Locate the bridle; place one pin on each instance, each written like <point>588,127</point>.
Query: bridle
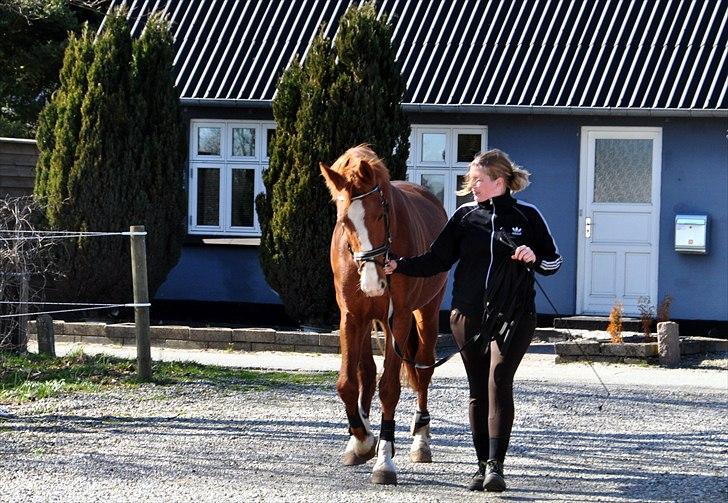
<point>362,257</point>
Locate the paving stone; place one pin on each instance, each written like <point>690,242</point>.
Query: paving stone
<point>179,344</point>
<point>579,347</point>
<point>177,332</point>
<point>211,334</point>
<point>257,335</point>
<point>84,328</point>
<point>121,330</point>
<point>256,346</point>
<point>297,338</point>
<point>329,340</point>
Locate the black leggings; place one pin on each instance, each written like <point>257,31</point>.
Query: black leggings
<point>490,377</point>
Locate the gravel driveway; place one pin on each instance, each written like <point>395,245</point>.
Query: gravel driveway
<point>661,436</point>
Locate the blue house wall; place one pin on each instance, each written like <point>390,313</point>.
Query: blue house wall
<point>694,180</point>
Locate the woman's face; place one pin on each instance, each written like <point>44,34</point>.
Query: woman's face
<point>483,187</point>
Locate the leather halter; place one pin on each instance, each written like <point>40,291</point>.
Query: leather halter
<point>361,257</point>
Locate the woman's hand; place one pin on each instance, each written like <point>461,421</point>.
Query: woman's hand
<point>390,266</point>
<point>524,254</point>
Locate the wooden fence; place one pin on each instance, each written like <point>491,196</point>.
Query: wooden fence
<point>17,166</point>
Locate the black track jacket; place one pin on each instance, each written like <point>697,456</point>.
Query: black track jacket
<point>468,237</point>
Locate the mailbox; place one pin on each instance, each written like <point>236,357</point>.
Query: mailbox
<point>691,234</point>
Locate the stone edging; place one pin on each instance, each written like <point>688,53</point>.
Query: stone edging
<point>631,352</point>
<point>184,337</point>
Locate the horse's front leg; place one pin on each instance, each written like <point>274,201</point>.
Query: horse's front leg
<point>353,334</point>
<point>426,322</point>
<point>384,471</point>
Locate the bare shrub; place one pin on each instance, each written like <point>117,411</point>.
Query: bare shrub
<point>25,264</point>
<point>615,322</point>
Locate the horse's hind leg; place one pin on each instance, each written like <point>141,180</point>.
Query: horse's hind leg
<point>355,365</point>
<point>427,323</point>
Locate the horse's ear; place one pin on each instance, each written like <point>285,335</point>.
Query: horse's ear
<point>334,181</point>
<point>366,172</point>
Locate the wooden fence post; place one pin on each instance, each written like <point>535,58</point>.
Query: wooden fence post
<point>46,335</point>
<point>24,295</point>
<point>141,296</point>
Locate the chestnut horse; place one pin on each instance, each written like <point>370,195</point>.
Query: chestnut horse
<point>376,219</point>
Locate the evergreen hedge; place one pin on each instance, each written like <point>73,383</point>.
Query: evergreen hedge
<point>342,95</point>
<point>112,150</point>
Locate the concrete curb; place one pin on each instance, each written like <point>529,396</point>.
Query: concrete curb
<point>185,337</point>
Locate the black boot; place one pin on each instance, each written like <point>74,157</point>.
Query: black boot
<point>476,484</point>
<point>494,480</point>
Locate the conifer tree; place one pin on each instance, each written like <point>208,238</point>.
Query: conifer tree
<point>116,159</point>
<point>339,97</point>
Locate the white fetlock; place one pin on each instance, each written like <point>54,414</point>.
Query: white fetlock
<point>358,452</point>
<point>420,449</point>
<point>384,471</point>
<point>360,448</point>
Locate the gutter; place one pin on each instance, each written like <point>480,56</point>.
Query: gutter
<point>221,102</point>
<point>493,109</point>
<point>544,110</point>
<point>26,141</point>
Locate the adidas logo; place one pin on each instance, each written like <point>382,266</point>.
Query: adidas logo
<point>516,231</point>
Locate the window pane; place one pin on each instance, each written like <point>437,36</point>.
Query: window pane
<point>460,200</point>
<point>468,146</point>
<point>243,142</point>
<point>208,140</point>
<point>242,198</point>
<point>623,171</point>
<point>435,184</point>
<point>270,137</point>
<point>208,196</point>
<point>433,147</point>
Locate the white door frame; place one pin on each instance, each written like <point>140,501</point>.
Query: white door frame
<point>585,164</point>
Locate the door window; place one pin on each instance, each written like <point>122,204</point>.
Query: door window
<point>622,170</point>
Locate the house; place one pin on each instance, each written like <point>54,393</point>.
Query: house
<point>618,108</point>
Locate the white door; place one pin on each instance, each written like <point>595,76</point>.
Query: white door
<point>619,210</point>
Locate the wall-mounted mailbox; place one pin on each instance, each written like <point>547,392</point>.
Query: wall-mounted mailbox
<point>691,234</point>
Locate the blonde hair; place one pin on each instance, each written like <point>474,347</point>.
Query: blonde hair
<point>496,164</point>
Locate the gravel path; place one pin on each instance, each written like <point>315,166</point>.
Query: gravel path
<point>662,436</point>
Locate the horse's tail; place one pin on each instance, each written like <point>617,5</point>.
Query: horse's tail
<point>408,370</point>
<point>413,343</point>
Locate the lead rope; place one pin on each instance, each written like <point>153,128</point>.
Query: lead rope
<point>575,341</point>
<point>505,239</point>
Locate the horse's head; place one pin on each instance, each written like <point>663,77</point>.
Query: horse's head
<point>359,184</point>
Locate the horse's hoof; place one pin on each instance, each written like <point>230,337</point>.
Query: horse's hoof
<point>422,455</point>
<point>384,478</point>
<point>351,458</point>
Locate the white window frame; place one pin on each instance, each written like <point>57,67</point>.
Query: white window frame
<point>226,163</point>
<point>195,138</point>
<point>194,176</point>
<point>244,125</point>
<point>450,167</point>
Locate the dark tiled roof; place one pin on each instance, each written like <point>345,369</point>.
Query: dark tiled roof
<point>560,56</point>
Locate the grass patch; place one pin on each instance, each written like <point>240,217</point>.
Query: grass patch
<point>30,377</point>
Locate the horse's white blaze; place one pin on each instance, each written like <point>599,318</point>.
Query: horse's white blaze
<point>358,447</point>
<point>369,278</point>
<point>384,457</point>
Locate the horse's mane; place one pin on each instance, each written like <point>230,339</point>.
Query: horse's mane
<point>350,166</point>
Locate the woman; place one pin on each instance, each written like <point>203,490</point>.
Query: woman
<point>494,239</point>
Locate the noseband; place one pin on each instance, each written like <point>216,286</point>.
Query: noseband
<point>363,257</point>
